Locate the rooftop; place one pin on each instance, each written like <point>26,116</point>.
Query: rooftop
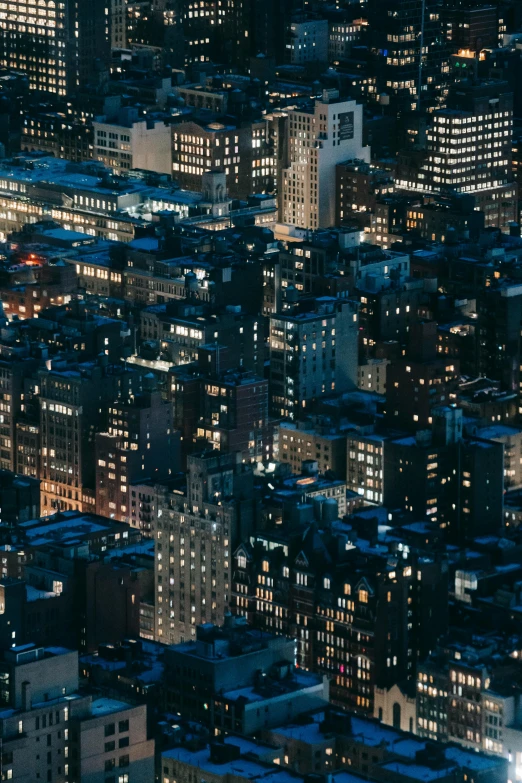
<point>100,707</point>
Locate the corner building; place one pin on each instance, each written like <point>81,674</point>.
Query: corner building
<point>319,138</point>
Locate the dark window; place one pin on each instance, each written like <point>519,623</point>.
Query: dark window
<point>124,742</point>
<point>110,729</point>
<point>110,746</point>
<point>109,764</point>
<point>124,761</point>
<point>123,725</point>
<point>396,715</point>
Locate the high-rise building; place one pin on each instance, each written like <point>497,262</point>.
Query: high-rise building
<point>319,138</point>
<point>313,353</point>
<point>363,623</point>
<point>140,444</point>
<point>469,151</point>
<point>73,405</point>
<point>118,24</point>
<point>13,370</point>
<point>244,153</point>
<point>454,482</point>
<point>195,535</point>
<point>364,465</point>
<point>472,26</point>
<point>398,29</point>
<point>308,41</point>
<point>234,415</point>
<point>418,383</point>
<point>58,46</point>
<point>499,340</point>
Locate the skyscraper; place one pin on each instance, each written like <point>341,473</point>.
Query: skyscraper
<point>469,150</point>
<point>58,46</point>
<point>195,536</point>
<point>319,137</point>
<point>313,353</point>
<point>400,29</point>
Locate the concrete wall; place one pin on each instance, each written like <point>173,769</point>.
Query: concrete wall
<point>385,699</point>
<point>92,754</point>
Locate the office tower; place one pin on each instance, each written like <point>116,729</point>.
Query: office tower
<point>469,151</point>
<point>195,536</point>
<point>313,353</point>
<point>398,30</point>
<point>73,406</point>
<point>58,46</point>
<point>140,443</point>
<point>318,139</point>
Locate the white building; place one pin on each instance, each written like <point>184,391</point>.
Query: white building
<point>319,139</point>
<point>134,143</point>
<point>118,23</point>
<point>372,376</point>
<point>397,707</point>
<point>308,41</point>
